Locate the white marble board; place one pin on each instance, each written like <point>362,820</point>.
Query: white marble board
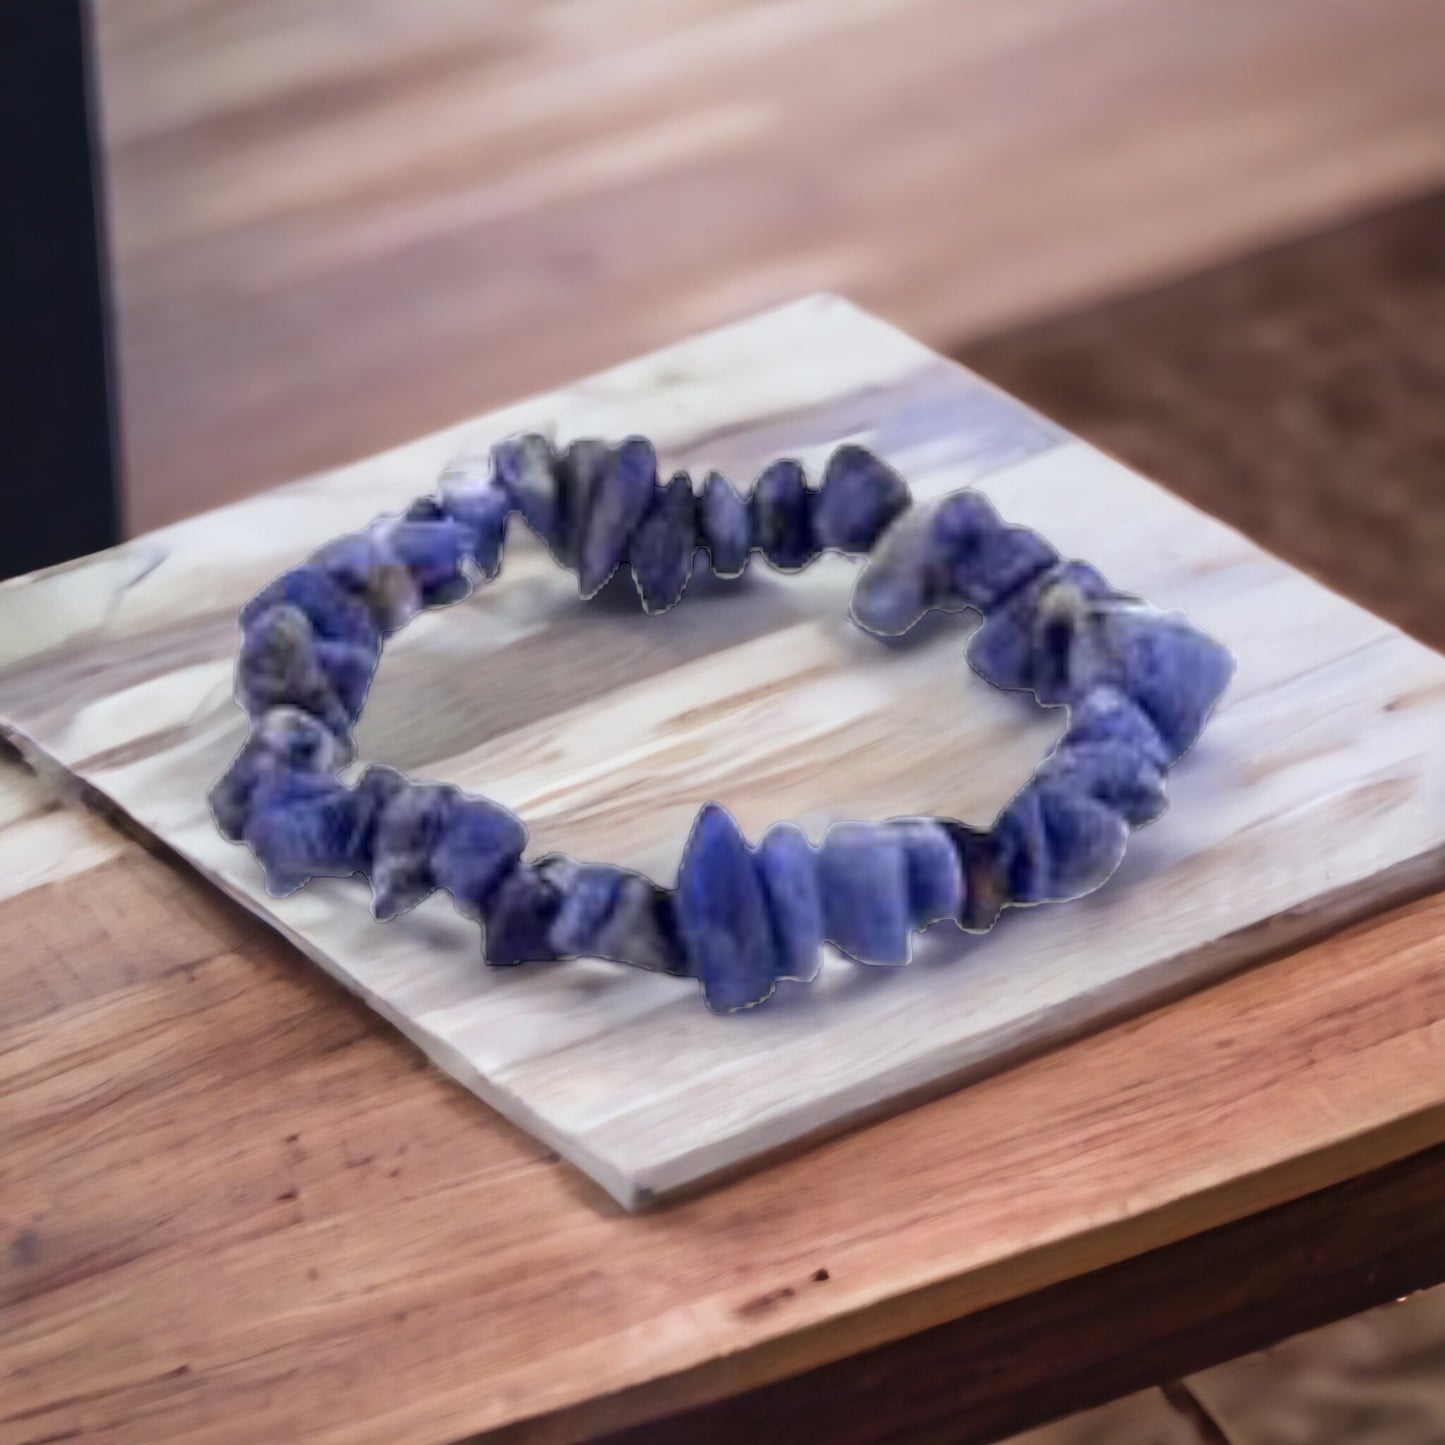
<point>1318,792</point>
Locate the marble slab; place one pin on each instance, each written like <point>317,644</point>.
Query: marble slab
<point>1317,794</point>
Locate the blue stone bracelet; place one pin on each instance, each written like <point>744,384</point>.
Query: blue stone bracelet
<point>1138,685</point>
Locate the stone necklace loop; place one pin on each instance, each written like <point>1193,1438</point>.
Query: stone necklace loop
<point>1138,685</point>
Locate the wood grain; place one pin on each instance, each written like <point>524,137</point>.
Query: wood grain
<point>236,1208</point>
<point>1294,394</point>
<point>336,227</point>
<point>1316,796</point>
<point>1184,1308</point>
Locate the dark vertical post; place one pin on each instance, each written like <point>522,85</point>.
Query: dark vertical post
<point>58,467</point>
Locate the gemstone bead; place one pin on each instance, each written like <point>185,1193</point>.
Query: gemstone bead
<point>934,873</point>
<point>983,869</point>
<point>621,496</point>
<point>409,828</point>
<point>724,526</point>
<point>788,865</point>
<point>1172,671</point>
<point>781,506</point>
<point>662,547</point>
<point>480,506</point>
<point>1023,859</point>
<point>863,878</point>
<point>722,914</point>
<point>1104,714</point>
<point>333,611</point>
<point>641,928</point>
<point>519,919</point>
<point>433,551</point>
<point>478,843</point>
<point>367,566</point>
<point>1112,773</point>
<point>282,662</point>
<point>982,560</point>
<point>859,497</point>
<point>1026,642</point>
<point>587,899</point>
<point>307,825</point>
<point>582,471</point>
<point>525,467</point>
<point>893,590</point>
<point>286,739</point>
<point>1086,839</point>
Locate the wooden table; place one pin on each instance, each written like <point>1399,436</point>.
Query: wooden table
<point>237,1207</point>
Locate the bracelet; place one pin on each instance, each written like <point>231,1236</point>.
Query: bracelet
<point>1138,685</point>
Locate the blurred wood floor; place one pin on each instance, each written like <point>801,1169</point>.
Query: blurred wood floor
<point>1296,394</point>
<point>340,223</point>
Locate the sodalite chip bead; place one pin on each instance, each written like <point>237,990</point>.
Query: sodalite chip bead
<point>1138,684</point>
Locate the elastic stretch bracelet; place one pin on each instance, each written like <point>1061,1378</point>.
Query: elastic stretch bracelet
<point>1138,685</point>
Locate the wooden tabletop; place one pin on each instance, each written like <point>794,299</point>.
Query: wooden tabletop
<point>239,1207</point>
<point>236,1206</point>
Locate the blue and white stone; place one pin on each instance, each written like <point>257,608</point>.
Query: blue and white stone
<point>283,662</point>
<point>1028,641</point>
<point>781,507</point>
<point>662,548</point>
<point>1113,773</point>
<point>859,497</point>
<point>934,870</point>
<point>366,564</point>
<point>478,844</point>
<point>519,919</point>
<point>480,505</point>
<point>588,897</point>
<point>722,914</point>
<point>583,470</point>
<point>307,825</point>
<point>286,739</point>
<point>863,878</point>
<point>408,830</point>
<point>788,865</point>
<point>619,499</point>
<point>1086,839</point>
<point>434,549</point>
<point>1104,714</point>
<point>725,526</point>
<point>525,467</point>
<point>1174,672</point>
<point>334,611</point>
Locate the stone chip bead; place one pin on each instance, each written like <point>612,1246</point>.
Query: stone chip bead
<point>722,914</point>
<point>1139,686</point>
<point>283,661</point>
<point>335,611</point>
<point>620,495</point>
<point>788,865</point>
<point>948,554</point>
<point>286,740</point>
<point>518,921</point>
<point>859,498</point>
<point>308,825</point>
<point>662,548</point>
<point>525,468</point>
<point>411,824</point>
<point>478,844</point>
<point>782,509</point>
<point>481,507</point>
<point>725,526</point>
<point>863,879</point>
